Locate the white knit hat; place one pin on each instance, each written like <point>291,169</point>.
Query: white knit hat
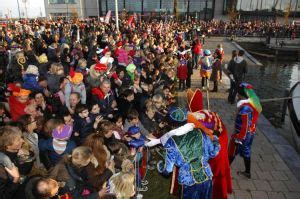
<point>32,69</point>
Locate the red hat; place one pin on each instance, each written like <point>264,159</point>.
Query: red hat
<point>106,50</point>
<point>119,44</point>
<point>100,67</point>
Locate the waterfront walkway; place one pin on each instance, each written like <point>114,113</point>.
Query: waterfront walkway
<point>271,177</point>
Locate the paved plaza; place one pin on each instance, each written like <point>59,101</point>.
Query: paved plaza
<point>271,177</point>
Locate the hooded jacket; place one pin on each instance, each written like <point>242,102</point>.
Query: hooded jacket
<point>240,68</point>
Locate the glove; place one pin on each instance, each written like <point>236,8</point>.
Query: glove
<point>238,141</point>
<point>115,76</point>
<point>152,142</point>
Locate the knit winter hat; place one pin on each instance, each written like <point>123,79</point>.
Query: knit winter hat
<point>43,58</point>
<point>17,91</point>
<point>131,68</point>
<point>32,69</point>
<point>76,77</point>
<point>22,92</point>
<point>62,132</point>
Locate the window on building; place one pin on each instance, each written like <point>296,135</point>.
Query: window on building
<point>151,6</point>
<point>182,6</point>
<point>133,6</point>
<point>111,5</point>
<point>168,5</point>
<point>62,1</point>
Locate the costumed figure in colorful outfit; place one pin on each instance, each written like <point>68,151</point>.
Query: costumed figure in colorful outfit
<point>210,123</point>
<point>206,67</point>
<point>249,108</point>
<point>190,152</point>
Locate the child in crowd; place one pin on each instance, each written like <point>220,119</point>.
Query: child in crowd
<point>182,73</point>
<point>119,127</point>
<point>83,125</point>
<point>59,145</point>
<point>75,85</point>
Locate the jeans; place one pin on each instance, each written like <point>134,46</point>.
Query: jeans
<point>196,60</point>
<point>182,84</point>
<point>232,91</point>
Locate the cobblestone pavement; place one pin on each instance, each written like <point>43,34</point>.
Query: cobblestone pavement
<point>271,177</point>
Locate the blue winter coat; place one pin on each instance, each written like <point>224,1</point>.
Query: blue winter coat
<point>31,83</point>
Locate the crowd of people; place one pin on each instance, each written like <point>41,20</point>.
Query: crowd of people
<point>79,101</point>
<point>254,28</point>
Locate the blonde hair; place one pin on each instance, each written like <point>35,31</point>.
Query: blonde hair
<point>148,103</point>
<point>55,67</point>
<point>81,156</point>
<point>157,99</point>
<point>151,108</point>
<point>7,136</point>
<point>123,185</point>
<point>127,166</point>
<point>81,61</point>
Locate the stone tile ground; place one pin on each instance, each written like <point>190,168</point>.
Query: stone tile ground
<point>271,177</point>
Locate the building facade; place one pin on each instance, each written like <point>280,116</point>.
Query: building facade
<point>71,8</point>
<point>200,9</point>
<point>264,8</point>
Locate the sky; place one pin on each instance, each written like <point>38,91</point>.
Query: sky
<point>34,8</point>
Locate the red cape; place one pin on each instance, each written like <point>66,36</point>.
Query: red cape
<point>220,167</point>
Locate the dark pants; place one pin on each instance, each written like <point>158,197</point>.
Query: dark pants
<point>182,82</point>
<point>243,150</point>
<point>215,85</point>
<point>188,81</point>
<point>232,91</point>
<point>204,81</point>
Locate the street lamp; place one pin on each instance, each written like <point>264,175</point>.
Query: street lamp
<point>19,9</point>
<point>67,2</point>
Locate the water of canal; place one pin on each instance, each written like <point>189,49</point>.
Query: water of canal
<point>271,80</point>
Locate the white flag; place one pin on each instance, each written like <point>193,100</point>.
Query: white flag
<point>107,17</point>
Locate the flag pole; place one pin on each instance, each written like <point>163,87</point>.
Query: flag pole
<point>117,15</point>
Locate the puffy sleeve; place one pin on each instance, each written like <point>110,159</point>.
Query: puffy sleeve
<point>212,146</point>
<point>170,157</point>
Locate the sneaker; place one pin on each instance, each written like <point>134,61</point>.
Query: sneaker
<point>142,189</point>
<point>244,174</point>
<point>144,182</point>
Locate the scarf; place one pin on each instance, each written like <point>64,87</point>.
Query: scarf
<point>59,146</point>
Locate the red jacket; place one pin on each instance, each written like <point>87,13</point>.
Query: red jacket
<point>16,108</point>
<point>182,72</point>
<point>198,49</point>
